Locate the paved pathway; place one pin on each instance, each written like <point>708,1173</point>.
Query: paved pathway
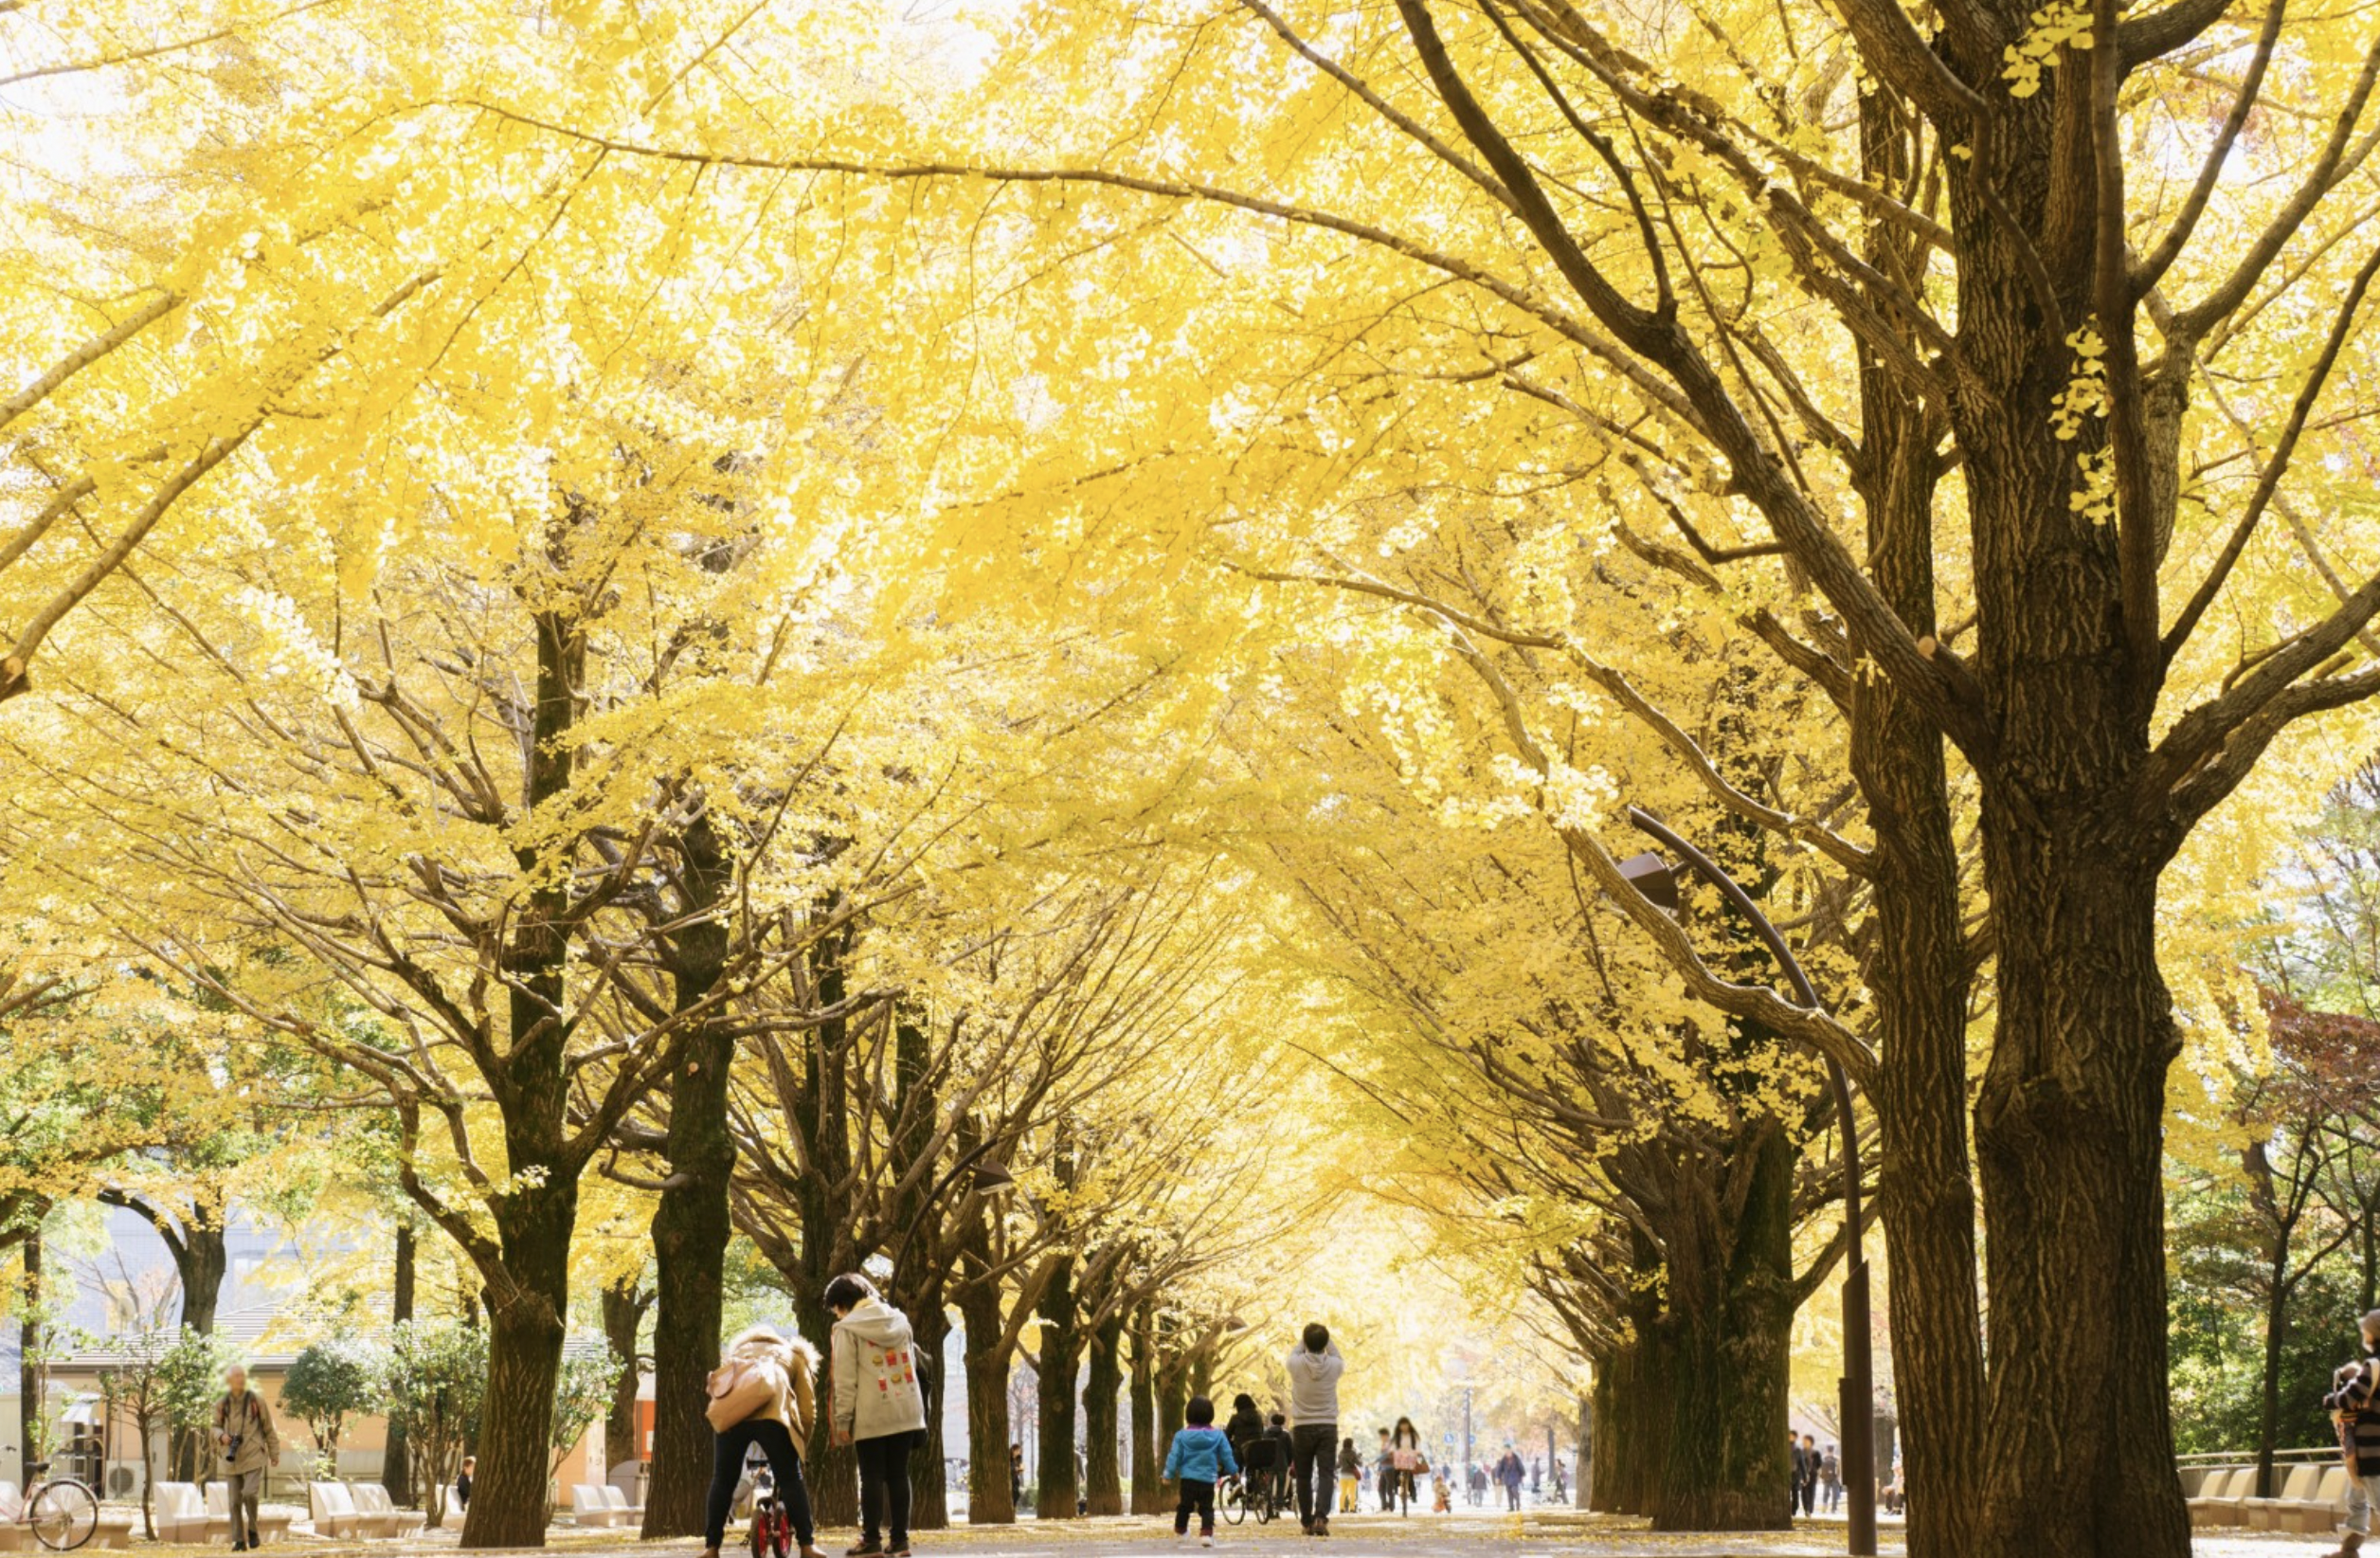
<point>1464,1535</point>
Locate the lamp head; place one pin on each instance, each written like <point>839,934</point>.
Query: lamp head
<point>1651,875</point>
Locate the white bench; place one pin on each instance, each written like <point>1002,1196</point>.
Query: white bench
<point>373,1504</point>
<point>182,1514</point>
<point>623,1511</point>
<point>2292,1485</point>
<point>589,1507</point>
<point>333,1511</point>
<point>2224,1494</point>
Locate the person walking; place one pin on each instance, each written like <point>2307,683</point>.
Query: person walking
<point>878,1408</point>
<point>1830,1480</point>
<point>1015,1475</point>
<point>462,1483</point>
<point>1561,1481</point>
<point>2353,1407</point>
<point>250,1444</point>
<point>1350,1474</point>
<point>1199,1457</point>
<point>1479,1484</point>
<point>1808,1474</point>
<point>1313,1367</point>
<point>1509,1471</point>
<point>772,1381</point>
<point>1384,1473</point>
<point>1407,1462</point>
<point>1796,1468</point>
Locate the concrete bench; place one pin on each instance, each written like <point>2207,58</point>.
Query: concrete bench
<point>182,1514</point>
<point>333,1511</point>
<point>589,1507</point>
<point>2226,1492</point>
<point>624,1513</point>
<point>115,1528</point>
<point>2292,1485</point>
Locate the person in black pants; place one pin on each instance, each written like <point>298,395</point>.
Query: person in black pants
<point>778,1373</point>
<point>878,1408</point>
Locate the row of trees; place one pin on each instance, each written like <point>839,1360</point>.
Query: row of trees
<point>754,607</point>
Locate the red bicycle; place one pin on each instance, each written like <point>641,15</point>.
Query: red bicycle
<point>772,1528</point>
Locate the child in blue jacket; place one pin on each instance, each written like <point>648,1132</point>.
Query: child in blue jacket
<point>1201,1456</point>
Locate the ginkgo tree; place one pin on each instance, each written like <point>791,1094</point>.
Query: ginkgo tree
<point>1903,333</point>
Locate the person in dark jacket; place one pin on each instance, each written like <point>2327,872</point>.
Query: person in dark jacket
<point>1276,1433</point>
<point>2352,1405</point>
<point>1796,1468</point>
<point>1245,1426</point>
<point>462,1483</point>
<point>1199,1457</point>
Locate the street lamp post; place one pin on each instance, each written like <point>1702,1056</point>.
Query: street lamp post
<point>1651,875</point>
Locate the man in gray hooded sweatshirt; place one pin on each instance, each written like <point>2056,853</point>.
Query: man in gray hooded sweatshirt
<point>1314,1367</point>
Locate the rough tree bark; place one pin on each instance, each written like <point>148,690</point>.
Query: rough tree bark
<point>1056,1365</point>
<point>929,1508</point>
<point>1103,1388</point>
<point>692,1224</point>
<point>396,1458</point>
<point>527,1270</point>
<point>1148,1496</point>
<point>624,1304</point>
<point>991,1498</point>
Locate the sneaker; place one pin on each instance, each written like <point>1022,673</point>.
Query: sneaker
<point>865,1550</point>
<point>1322,1527</point>
<point>1206,1539</point>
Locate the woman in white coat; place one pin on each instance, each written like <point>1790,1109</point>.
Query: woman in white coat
<point>877,1405</point>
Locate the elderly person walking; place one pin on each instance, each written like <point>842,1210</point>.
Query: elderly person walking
<point>248,1445</point>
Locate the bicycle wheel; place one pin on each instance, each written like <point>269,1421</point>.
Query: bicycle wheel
<point>63,1516</point>
<point>1233,1495</point>
<point>1264,1506</point>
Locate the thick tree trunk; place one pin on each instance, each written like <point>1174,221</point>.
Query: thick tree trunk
<point>200,1261</point>
<point>1148,1494</point>
<point>692,1224</point>
<point>1728,1337</point>
<point>1918,972</point>
<point>991,1498</point>
<point>1103,1386</point>
<point>396,1458</point>
<point>2069,1132</point>
<point>1061,1355</point>
<point>1173,1392</point>
<point>509,1505</point>
<point>624,1308</point>
<point>930,1483</point>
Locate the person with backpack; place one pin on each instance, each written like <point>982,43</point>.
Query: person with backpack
<point>878,1408</point>
<point>763,1395</point>
<point>2354,1409</point>
<point>1199,1457</point>
<point>1245,1428</point>
<point>1350,1474</point>
<point>1510,1472</point>
<point>249,1445</point>
<point>1831,1478</point>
